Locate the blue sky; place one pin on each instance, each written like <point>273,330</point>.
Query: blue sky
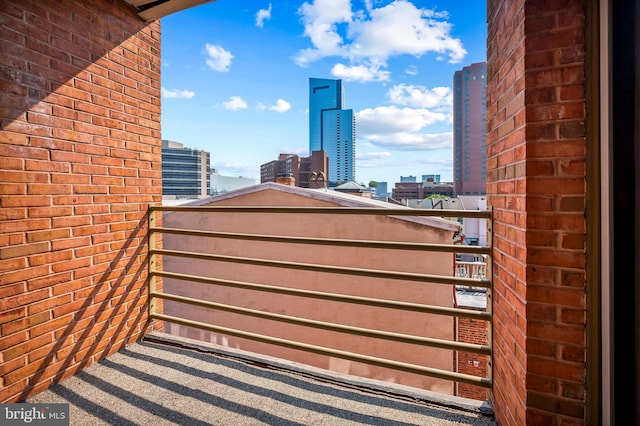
<point>235,79</point>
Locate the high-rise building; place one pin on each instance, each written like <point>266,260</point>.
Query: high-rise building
<point>469,130</point>
<point>185,171</point>
<point>332,128</point>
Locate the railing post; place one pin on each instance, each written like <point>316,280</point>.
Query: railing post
<point>489,276</point>
<point>153,235</point>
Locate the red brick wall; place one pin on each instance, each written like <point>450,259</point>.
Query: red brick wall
<point>79,163</point>
<point>506,191</point>
<point>472,331</point>
<point>536,185</point>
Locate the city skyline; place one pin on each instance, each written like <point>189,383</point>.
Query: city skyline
<point>238,87</point>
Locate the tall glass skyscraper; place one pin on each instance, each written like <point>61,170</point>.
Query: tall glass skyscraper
<point>332,128</point>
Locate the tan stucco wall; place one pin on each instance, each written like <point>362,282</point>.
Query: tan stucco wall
<point>350,227</point>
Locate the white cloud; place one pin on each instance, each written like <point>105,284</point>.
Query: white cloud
<point>361,73</point>
<point>412,70</point>
<point>179,94</point>
<point>263,15</point>
<point>218,59</point>
<point>373,35</point>
<point>366,156</point>
<point>235,103</point>
<point>402,28</point>
<point>414,141</point>
<point>321,19</point>
<point>439,98</point>
<point>391,119</point>
<point>280,106</point>
<point>402,128</point>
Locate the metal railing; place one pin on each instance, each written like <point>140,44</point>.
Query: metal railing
<point>471,269</point>
<point>159,255</point>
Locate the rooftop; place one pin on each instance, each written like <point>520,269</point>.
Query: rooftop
<point>323,195</point>
<point>161,382</point>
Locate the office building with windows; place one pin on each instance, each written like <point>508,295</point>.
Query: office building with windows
<point>332,128</point>
<point>307,172</point>
<point>185,171</point>
<point>469,130</point>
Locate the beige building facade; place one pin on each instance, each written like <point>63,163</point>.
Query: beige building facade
<point>353,227</point>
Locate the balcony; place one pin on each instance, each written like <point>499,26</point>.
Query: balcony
<point>81,160</point>
<point>157,382</point>
<point>347,350</point>
<point>475,269</point>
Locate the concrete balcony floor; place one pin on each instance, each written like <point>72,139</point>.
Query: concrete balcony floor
<point>154,383</point>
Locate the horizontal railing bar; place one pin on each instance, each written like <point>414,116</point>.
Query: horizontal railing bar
<point>397,337</point>
<point>381,362</point>
<point>414,307</point>
<point>373,273</point>
<point>481,214</point>
<point>445,248</point>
